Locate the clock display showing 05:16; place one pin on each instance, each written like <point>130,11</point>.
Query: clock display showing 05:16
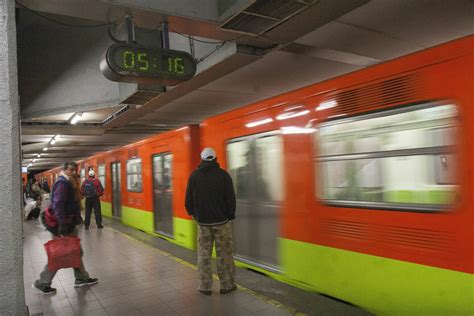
<point>153,63</point>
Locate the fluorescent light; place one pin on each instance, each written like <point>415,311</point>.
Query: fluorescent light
<point>53,141</point>
<point>326,105</point>
<point>34,159</point>
<point>76,118</point>
<point>291,114</point>
<point>297,130</point>
<point>57,137</point>
<point>257,123</point>
<point>38,155</point>
<point>45,149</point>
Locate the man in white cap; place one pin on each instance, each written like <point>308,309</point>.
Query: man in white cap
<point>210,200</point>
<point>92,190</point>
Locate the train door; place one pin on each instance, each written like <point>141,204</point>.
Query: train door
<point>116,190</point>
<point>163,193</point>
<point>256,166</point>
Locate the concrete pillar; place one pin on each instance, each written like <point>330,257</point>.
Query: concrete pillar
<point>12,295</point>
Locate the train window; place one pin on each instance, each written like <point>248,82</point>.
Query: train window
<point>256,167</point>
<point>101,174</point>
<point>168,172</point>
<point>134,175</point>
<point>399,159</point>
<point>269,168</point>
<point>238,161</point>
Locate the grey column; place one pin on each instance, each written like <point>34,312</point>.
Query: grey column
<point>12,295</point>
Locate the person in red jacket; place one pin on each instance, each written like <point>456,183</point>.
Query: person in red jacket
<point>92,190</point>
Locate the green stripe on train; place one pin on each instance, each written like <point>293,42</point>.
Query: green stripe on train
<point>106,209</point>
<point>184,229</point>
<point>382,286</point>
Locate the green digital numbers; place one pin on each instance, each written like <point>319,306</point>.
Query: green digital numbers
<point>176,65</point>
<point>132,59</point>
<point>139,61</point>
<point>128,59</point>
<point>147,61</point>
<point>143,60</point>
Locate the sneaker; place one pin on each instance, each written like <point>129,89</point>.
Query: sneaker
<point>225,291</point>
<point>205,292</point>
<point>100,227</point>
<point>44,288</point>
<point>89,281</point>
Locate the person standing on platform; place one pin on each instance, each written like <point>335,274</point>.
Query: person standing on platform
<point>35,189</point>
<point>210,200</point>
<point>92,190</point>
<point>66,209</point>
<point>45,186</point>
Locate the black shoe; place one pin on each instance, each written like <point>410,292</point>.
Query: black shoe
<point>100,227</point>
<point>89,281</point>
<point>205,292</point>
<point>233,288</point>
<point>44,289</point>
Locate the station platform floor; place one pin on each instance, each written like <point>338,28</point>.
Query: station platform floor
<point>144,275</point>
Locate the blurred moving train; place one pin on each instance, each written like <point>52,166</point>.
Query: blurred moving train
<point>359,187</point>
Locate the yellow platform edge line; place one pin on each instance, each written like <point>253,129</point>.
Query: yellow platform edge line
<point>261,297</point>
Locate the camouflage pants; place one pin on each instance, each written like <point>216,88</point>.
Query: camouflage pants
<point>222,235</point>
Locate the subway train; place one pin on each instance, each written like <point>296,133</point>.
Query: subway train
<point>358,187</point>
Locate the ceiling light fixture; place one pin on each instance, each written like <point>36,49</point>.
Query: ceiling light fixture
<point>45,149</point>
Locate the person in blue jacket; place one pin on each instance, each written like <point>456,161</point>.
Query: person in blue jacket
<point>66,209</point>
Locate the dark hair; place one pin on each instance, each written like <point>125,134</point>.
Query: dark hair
<point>68,164</point>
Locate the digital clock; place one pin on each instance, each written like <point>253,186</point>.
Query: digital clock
<point>125,62</point>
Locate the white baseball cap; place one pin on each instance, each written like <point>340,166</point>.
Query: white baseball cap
<point>208,154</point>
<point>91,173</point>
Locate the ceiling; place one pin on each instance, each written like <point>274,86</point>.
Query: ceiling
<point>370,33</point>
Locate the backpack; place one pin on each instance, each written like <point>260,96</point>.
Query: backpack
<point>89,189</point>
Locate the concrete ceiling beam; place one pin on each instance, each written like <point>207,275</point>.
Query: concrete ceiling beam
<point>38,129</point>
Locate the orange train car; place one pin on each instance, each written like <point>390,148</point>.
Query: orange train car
<point>145,182</point>
<point>358,187</point>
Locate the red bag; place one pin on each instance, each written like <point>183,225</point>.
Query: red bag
<point>63,252</point>
<point>50,218</point>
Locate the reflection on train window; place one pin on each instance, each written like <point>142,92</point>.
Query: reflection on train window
<point>398,159</point>
<point>255,165</point>
<point>101,175</point>
<point>134,175</point>
<point>237,155</point>
<point>269,168</point>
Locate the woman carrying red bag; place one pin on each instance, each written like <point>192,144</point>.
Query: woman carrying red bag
<point>62,251</point>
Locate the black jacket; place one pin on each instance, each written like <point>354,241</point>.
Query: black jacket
<point>210,197</point>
